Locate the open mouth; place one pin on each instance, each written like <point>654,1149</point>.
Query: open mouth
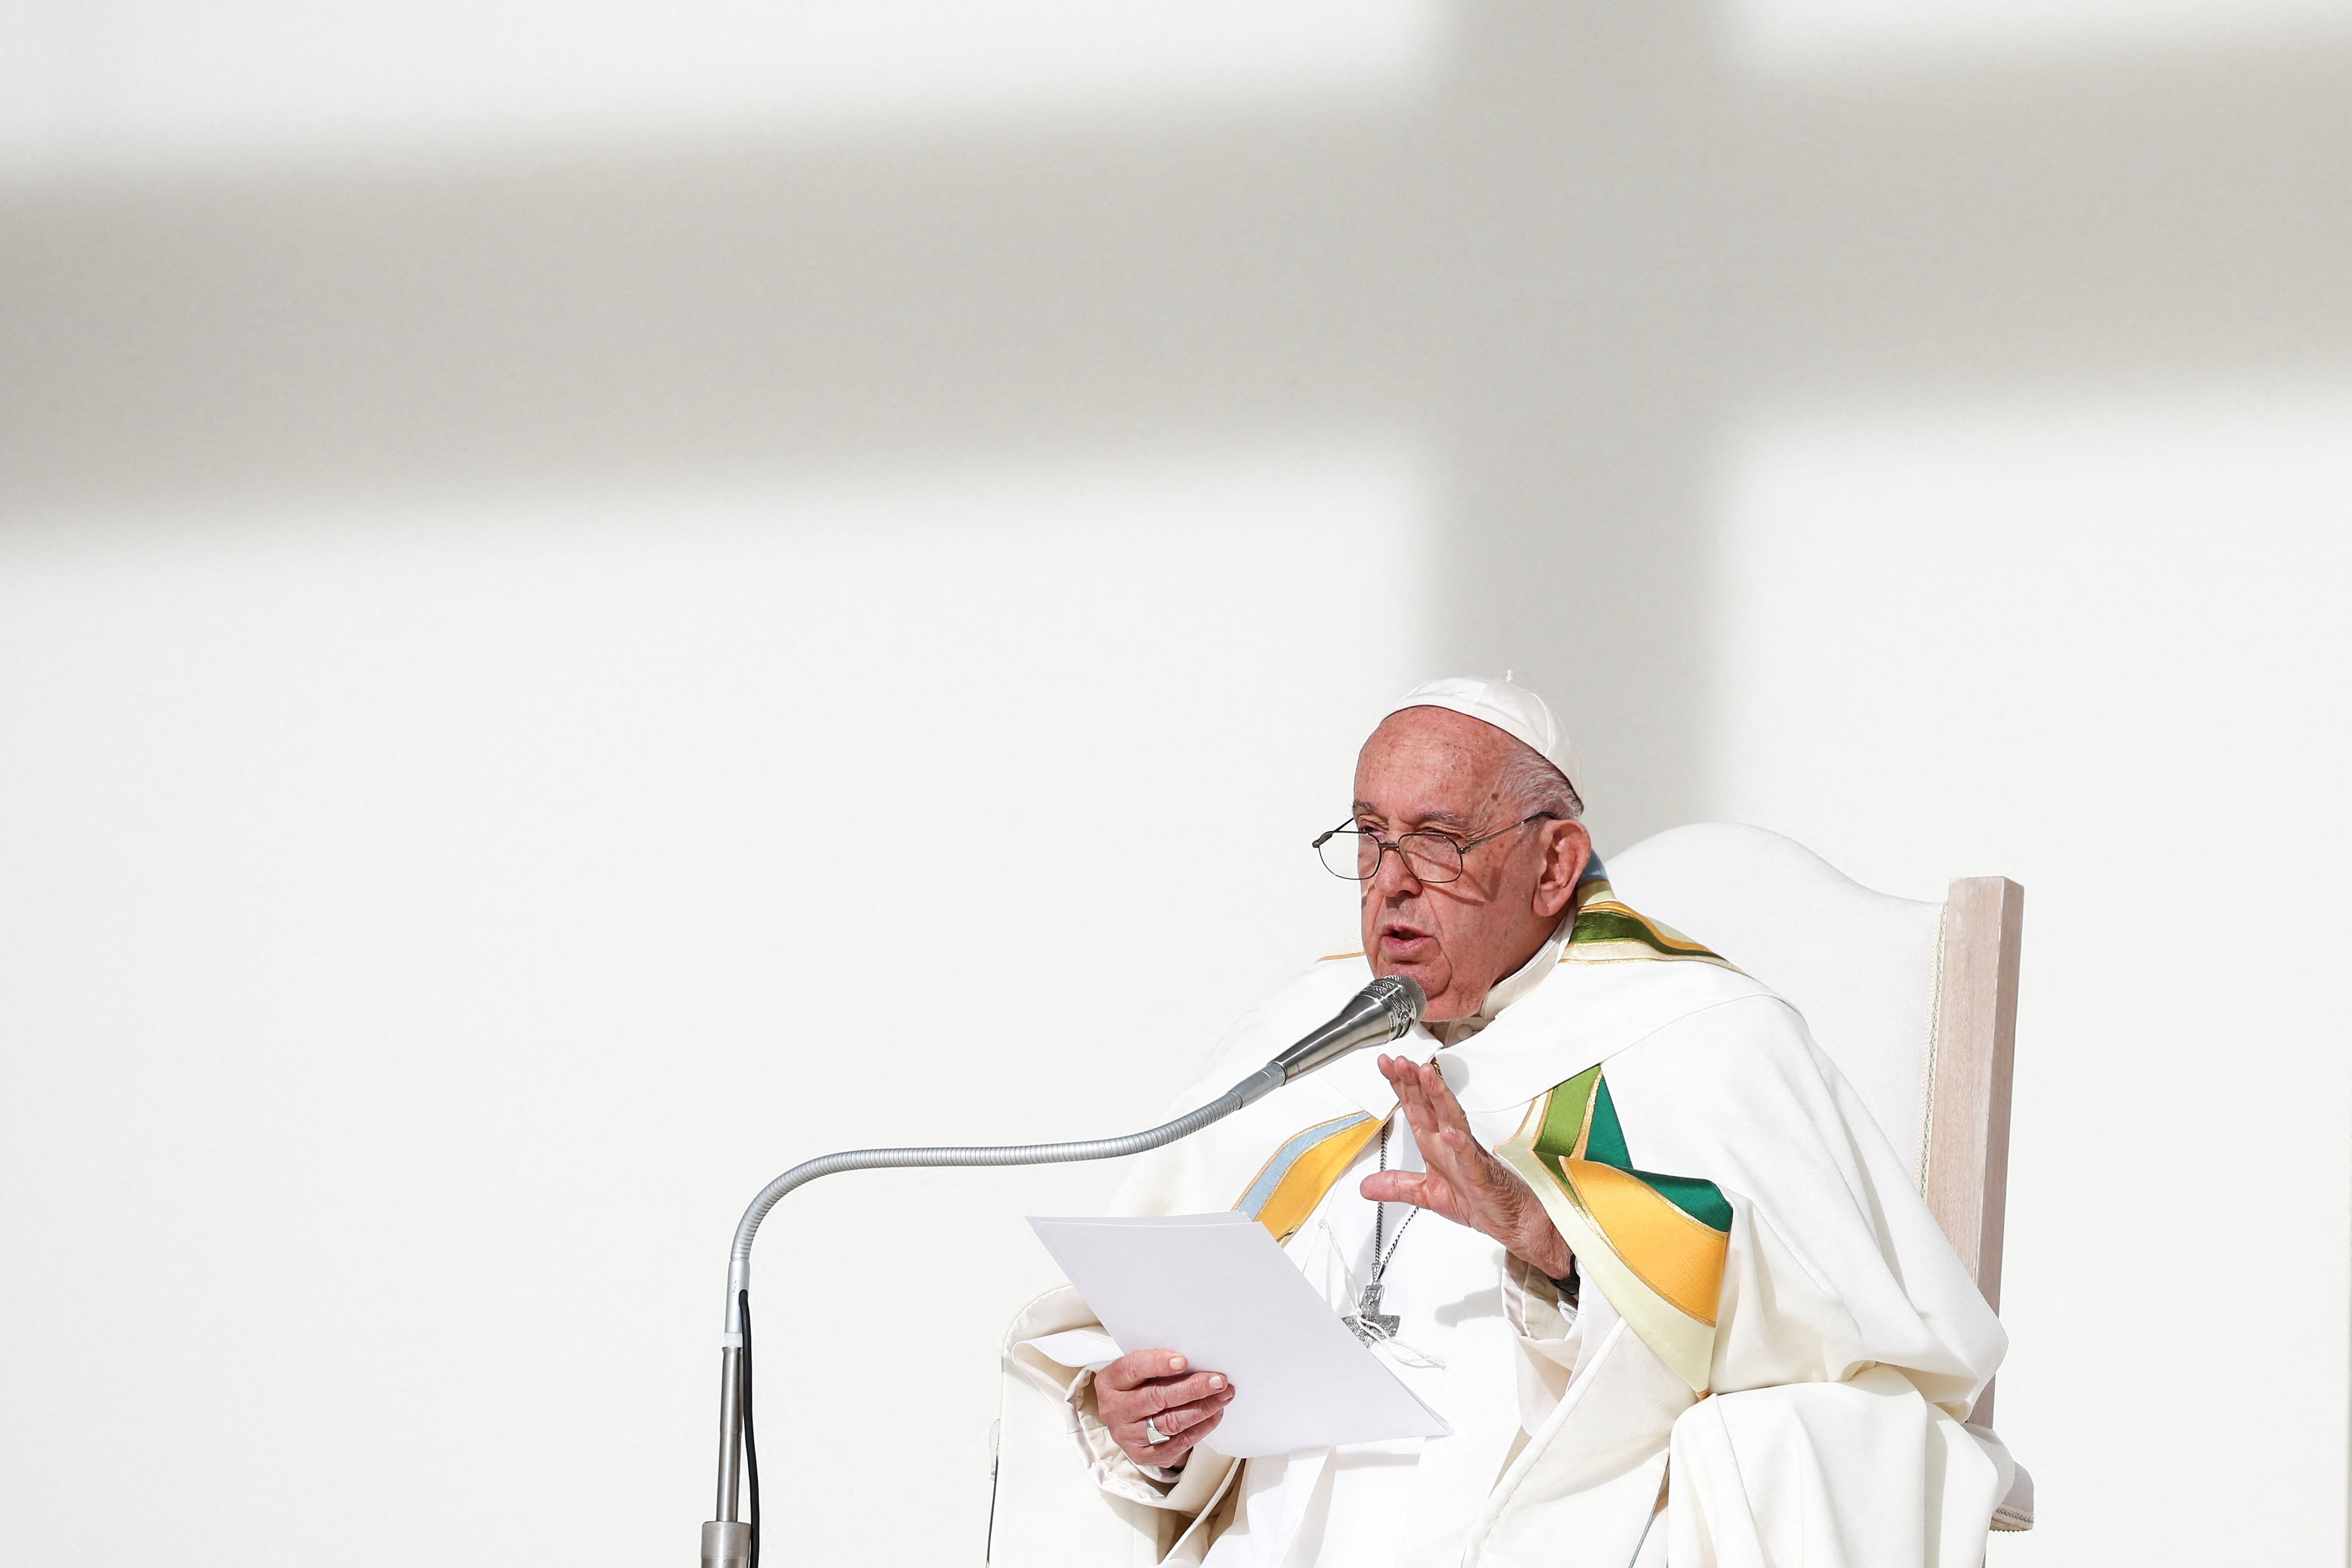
<point>1405,944</point>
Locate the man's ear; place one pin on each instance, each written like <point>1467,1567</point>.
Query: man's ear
<point>1567,849</point>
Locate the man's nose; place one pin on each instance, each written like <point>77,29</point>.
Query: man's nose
<point>1394,874</point>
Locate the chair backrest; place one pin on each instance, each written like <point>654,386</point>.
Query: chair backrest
<point>1916,1002</point>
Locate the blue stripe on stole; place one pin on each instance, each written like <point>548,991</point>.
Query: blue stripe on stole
<point>1254,1200</point>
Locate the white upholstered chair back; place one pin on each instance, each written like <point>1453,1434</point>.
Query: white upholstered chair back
<point>1916,1002</point>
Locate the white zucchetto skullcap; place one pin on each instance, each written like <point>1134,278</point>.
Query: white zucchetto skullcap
<point>1514,710</point>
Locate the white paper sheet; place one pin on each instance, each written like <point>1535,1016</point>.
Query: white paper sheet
<point>1216,1289</point>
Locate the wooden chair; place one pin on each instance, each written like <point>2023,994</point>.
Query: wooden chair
<point>1916,1002</point>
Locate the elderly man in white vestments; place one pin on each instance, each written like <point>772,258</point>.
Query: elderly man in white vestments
<point>1609,1210</point>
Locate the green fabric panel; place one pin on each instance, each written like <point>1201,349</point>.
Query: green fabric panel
<point>1564,1115</point>
<point>1608,925</point>
<point>1605,1144</point>
<point>1703,1200</point>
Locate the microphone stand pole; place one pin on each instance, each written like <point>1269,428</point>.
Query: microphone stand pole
<point>1383,1011</point>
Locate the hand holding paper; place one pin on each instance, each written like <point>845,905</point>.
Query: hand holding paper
<point>1156,1406</point>
<point>1216,1289</point>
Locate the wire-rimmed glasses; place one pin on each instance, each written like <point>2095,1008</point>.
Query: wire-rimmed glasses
<point>1350,852</point>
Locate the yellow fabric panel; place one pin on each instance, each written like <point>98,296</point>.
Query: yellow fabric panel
<point>1684,1344</point>
<point>1672,1253</point>
<point>1311,1176</point>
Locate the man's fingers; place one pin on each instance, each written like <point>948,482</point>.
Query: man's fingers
<point>1441,1102</point>
<point>1184,1417</point>
<point>1464,1181</point>
<point>1398,1187</point>
<point>1410,1095</point>
<point>1452,1151</point>
<point>1171,1453</point>
<point>1132,1371</point>
<point>1448,1140</point>
<point>1419,1189</point>
<point>1169,1394</point>
<point>1398,1072</point>
<point>1461,1169</point>
<point>1428,1100</point>
<point>1182,1424</point>
<point>1443,1140</point>
<point>1180,1444</point>
<point>1129,1396</point>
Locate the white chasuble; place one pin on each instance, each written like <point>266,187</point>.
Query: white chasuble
<point>1769,1311</point>
<point>1369,1504</point>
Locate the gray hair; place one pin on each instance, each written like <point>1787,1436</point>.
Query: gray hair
<point>1531,784</point>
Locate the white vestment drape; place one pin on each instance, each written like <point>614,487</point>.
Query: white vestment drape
<point>1815,1420</point>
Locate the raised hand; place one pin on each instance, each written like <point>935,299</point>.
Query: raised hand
<point>1463,1182</point>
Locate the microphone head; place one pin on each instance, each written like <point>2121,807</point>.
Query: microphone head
<point>1374,1016</point>
<point>1401,998</point>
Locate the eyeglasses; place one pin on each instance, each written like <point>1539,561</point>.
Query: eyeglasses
<point>1356,854</point>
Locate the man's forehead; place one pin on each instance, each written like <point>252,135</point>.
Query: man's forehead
<point>1435,742</point>
<point>1435,726</point>
<point>1428,765</point>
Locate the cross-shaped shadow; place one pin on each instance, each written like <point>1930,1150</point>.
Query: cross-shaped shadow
<point>1564,274</point>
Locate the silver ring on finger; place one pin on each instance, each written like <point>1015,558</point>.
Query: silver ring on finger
<point>1151,1432</point>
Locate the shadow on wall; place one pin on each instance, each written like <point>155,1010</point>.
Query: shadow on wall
<point>1562,273</point>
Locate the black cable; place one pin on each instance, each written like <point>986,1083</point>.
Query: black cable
<point>743,1398</point>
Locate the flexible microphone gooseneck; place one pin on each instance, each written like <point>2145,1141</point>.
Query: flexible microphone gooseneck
<point>1381,1011</point>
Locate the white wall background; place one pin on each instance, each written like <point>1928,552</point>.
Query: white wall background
<point>592,602</point>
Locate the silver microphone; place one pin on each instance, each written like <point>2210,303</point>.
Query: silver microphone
<point>1381,1011</point>
<point>1378,1014</point>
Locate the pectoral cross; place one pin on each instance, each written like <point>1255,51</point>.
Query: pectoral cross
<point>1368,1322</point>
